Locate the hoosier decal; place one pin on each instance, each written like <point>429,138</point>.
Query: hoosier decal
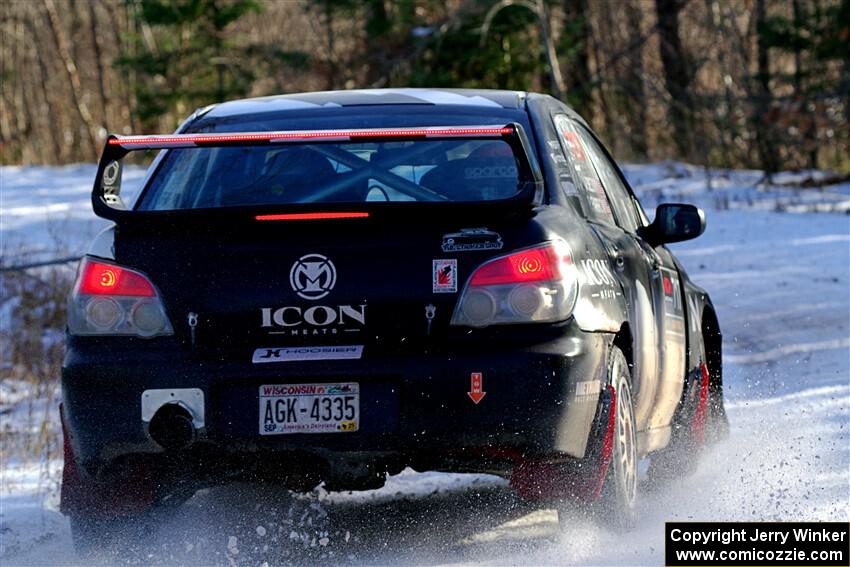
<point>293,354</point>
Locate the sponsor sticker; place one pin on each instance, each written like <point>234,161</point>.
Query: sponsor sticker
<point>472,239</point>
<point>317,320</point>
<point>476,387</point>
<point>312,276</point>
<point>444,276</point>
<point>294,354</point>
<point>596,275</point>
<point>588,388</point>
<point>673,306</point>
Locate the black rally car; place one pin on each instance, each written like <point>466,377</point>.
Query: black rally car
<point>329,287</point>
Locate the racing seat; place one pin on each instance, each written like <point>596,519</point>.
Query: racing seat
<point>487,174</point>
<point>290,175</point>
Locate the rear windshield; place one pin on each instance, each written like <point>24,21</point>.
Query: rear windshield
<point>420,170</point>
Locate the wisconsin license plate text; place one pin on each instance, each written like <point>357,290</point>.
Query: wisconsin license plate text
<point>309,408</point>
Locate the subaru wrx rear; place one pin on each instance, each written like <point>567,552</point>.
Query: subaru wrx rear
<point>331,287</point>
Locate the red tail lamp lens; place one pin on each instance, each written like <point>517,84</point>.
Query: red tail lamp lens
<point>108,279</point>
<point>534,265</point>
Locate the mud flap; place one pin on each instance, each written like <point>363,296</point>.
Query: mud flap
<point>692,419</point>
<point>700,416</point>
<point>581,480</point>
<point>128,494</point>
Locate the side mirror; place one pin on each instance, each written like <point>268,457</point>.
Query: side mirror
<point>675,223</point>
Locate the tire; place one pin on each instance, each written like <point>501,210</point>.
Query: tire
<point>616,504</point>
<point>691,426</point>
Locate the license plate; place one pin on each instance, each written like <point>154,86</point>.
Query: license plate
<point>309,408</point>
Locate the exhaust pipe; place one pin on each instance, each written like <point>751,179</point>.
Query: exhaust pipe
<point>171,427</point>
<point>173,418</point>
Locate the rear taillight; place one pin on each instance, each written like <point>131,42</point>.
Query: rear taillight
<point>535,285</point>
<point>113,300</point>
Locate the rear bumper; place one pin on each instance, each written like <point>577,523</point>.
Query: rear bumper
<point>539,400</point>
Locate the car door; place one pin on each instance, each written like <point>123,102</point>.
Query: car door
<point>655,275</point>
<point>636,267</point>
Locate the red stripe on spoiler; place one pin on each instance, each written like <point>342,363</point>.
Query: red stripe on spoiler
<point>311,216</point>
<point>182,139</point>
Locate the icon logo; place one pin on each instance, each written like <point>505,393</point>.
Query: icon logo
<point>312,276</point>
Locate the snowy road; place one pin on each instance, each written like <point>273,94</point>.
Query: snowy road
<point>781,284</point>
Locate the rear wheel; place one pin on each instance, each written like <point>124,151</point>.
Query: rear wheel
<point>109,529</point>
<point>100,512</point>
<point>618,496</point>
<point>607,476</point>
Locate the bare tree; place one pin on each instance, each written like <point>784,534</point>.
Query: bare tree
<point>766,149</point>
<point>73,75</point>
<point>98,61</point>
<point>677,73</point>
<point>633,81</point>
<point>578,80</point>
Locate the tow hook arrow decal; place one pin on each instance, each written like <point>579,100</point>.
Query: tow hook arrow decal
<point>476,393</point>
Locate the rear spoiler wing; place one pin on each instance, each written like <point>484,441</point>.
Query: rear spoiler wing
<point>106,194</point>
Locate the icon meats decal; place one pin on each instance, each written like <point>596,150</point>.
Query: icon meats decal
<point>316,320</point>
<point>312,277</point>
<point>596,274</point>
<point>472,239</point>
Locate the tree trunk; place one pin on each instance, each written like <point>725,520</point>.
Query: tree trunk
<point>329,30</point>
<point>128,79</point>
<point>6,69</point>
<point>608,119</point>
<point>577,39</point>
<point>677,73</point>
<point>98,60</point>
<point>633,81</point>
<point>377,26</point>
<point>810,128</point>
<point>23,118</point>
<point>723,114</point>
<point>73,75</point>
<point>764,134</point>
<point>51,112</point>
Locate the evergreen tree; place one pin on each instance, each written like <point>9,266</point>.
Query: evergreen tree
<point>183,57</point>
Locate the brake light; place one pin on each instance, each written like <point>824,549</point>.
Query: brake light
<point>109,299</point>
<point>534,285</point>
<point>536,264</point>
<point>183,140</point>
<point>311,216</point>
<point>98,278</point>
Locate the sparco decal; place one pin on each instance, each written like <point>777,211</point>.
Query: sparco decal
<point>315,320</point>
